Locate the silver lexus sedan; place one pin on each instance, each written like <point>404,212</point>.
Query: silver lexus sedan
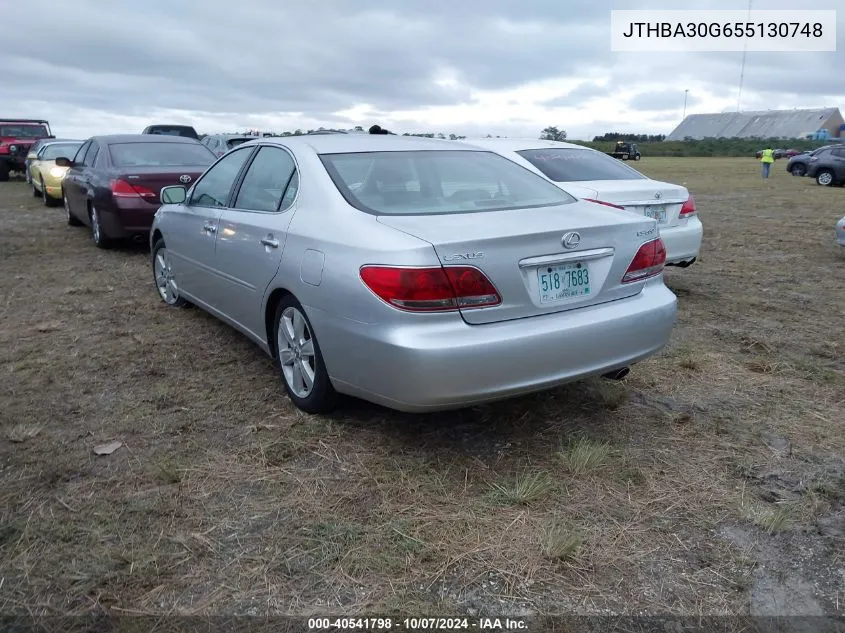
<point>415,273</point>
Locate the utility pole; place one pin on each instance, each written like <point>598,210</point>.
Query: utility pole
<point>685,104</point>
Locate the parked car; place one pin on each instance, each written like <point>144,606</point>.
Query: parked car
<point>113,182</point>
<point>222,143</point>
<point>16,137</point>
<point>172,130</point>
<point>798,164</point>
<point>33,152</point>
<point>793,152</point>
<point>840,232</point>
<point>828,166</point>
<point>407,271</point>
<point>46,176</point>
<point>592,175</point>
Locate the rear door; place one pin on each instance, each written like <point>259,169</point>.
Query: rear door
<point>252,236</point>
<point>191,229</point>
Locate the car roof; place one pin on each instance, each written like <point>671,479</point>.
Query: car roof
<point>232,136</point>
<point>142,138</point>
<point>519,144</point>
<point>342,143</point>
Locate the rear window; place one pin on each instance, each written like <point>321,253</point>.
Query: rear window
<point>52,152</point>
<point>433,182</point>
<point>23,131</point>
<point>160,154</point>
<point>188,132</point>
<point>234,142</point>
<point>573,165</point>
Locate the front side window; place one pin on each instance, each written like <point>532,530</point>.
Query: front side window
<point>563,164</point>
<point>91,154</point>
<point>215,186</point>
<point>266,180</point>
<point>438,181</point>
<point>80,154</point>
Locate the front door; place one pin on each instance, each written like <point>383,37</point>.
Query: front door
<point>72,182</point>
<point>252,236</point>
<point>192,229</point>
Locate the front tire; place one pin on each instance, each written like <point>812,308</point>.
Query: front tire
<point>825,178</point>
<point>101,240</point>
<point>71,219</point>
<point>168,289</point>
<point>798,170</point>
<point>300,359</point>
<point>46,198</point>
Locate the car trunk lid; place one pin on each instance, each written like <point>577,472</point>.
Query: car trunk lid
<point>522,253</point>
<point>148,181</point>
<point>651,198</point>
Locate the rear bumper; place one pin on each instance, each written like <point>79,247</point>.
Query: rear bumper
<point>128,217</point>
<point>447,364</point>
<point>682,242</point>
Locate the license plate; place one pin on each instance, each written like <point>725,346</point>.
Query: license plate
<point>563,281</point>
<point>657,213</point>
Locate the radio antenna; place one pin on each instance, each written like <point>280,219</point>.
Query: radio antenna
<point>742,66</point>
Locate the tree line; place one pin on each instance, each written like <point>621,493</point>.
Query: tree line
<point>649,144</point>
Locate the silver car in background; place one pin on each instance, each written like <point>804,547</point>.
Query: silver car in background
<point>415,273</point>
<point>840,232</point>
<point>589,174</point>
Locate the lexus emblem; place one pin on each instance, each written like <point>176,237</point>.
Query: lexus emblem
<point>185,179</point>
<point>571,239</point>
<point>657,196</point>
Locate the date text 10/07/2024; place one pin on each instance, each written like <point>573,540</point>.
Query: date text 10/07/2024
<point>417,624</point>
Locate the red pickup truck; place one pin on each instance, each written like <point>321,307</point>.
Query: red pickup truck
<point>16,137</point>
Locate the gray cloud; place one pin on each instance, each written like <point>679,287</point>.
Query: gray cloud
<point>230,59</point>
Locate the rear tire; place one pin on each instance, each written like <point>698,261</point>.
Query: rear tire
<point>300,359</point>
<point>101,240</point>
<point>825,178</point>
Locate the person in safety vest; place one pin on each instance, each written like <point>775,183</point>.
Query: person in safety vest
<point>767,157</point>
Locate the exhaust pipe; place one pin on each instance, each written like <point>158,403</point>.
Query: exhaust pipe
<point>686,264</point>
<point>617,374</point>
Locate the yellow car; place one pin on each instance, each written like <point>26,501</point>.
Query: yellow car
<point>45,175</point>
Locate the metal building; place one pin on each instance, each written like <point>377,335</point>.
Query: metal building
<point>785,124</point>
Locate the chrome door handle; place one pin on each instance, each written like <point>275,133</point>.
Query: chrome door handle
<point>209,228</point>
<point>269,241</point>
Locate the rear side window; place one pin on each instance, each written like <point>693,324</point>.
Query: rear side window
<point>157,154</point>
<point>562,164</point>
<point>438,181</point>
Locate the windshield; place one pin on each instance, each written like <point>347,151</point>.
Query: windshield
<point>439,181</point>
<point>23,131</point>
<point>562,164</point>
<point>160,154</point>
<point>54,151</point>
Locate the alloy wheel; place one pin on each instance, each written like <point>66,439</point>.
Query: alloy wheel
<point>297,355</point>
<point>168,290</point>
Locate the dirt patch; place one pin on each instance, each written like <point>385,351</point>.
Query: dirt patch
<point>707,482</point>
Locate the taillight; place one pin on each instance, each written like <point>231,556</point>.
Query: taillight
<point>648,262</point>
<point>122,189</point>
<point>607,204</point>
<point>431,289</point>
<point>688,208</point>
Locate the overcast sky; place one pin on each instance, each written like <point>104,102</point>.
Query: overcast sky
<point>471,67</point>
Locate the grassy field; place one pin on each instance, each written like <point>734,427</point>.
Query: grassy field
<point>709,481</point>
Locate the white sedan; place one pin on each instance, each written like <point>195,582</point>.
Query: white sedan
<point>591,175</point>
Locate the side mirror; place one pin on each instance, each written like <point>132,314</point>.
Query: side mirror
<point>175,194</point>
<point>62,161</point>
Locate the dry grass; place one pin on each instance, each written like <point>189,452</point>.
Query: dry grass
<point>659,493</point>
